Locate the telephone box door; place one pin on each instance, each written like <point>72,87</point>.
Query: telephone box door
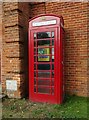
<point>43,81</point>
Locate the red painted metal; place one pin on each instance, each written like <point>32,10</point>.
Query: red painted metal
<point>48,87</point>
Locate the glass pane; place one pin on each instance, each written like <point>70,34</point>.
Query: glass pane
<point>52,51</point>
<point>43,66</point>
<point>34,74</point>
<point>43,42</point>
<point>35,58</point>
<point>43,58</point>
<point>52,58</point>
<point>52,34</point>
<point>34,81</point>
<point>52,83</point>
<point>34,35</point>
<point>35,51</point>
<point>34,43</point>
<point>52,42</point>
<point>34,88</point>
<point>43,51</point>
<point>44,90</point>
<point>52,66</point>
<point>44,74</point>
<point>43,82</point>
<point>34,66</point>
<point>52,74</point>
<point>52,90</point>
<point>41,35</point>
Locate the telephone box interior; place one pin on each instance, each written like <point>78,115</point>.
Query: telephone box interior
<point>45,46</point>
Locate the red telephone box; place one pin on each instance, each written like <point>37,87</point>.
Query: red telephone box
<point>46,59</point>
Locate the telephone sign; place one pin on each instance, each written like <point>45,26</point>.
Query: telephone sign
<point>50,22</point>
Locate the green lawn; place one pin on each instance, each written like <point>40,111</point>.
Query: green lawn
<point>74,107</point>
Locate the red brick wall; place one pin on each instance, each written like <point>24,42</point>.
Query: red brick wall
<point>37,9</point>
<point>10,40</point>
<point>15,30</point>
<point>75,24</point>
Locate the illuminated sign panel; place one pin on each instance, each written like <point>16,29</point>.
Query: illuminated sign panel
<point>50,22</point>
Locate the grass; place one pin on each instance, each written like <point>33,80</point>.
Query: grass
<point>74,107</point>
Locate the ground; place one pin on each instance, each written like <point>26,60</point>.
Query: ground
<point>73,107</point>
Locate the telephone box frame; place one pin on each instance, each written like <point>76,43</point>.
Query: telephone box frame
<point>58,65</point>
